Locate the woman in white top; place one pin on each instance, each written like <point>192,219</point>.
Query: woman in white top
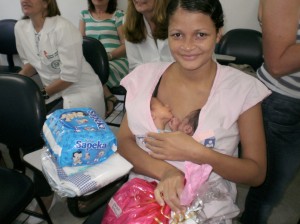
<point>52,47</point>
<point>144,43</point>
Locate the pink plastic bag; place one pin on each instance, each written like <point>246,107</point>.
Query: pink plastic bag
<point>135,203</point>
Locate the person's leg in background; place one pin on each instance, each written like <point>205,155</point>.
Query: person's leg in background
<point>111,101</point>
<point>282,128</point>
<point>118,69</point>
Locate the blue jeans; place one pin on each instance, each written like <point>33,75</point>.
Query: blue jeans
<point>282,127</point>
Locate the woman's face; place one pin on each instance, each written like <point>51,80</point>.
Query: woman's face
<point>144,6</point>
<point>100,2</point>
<point>192,37</point>
<point>32,8</point>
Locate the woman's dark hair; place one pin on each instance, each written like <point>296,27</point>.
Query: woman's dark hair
<point>193,119</point>
<point>111,7</point>
<point>212,8</point>
<point>52,9</point>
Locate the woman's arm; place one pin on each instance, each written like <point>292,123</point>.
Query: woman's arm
<point>82,27</point>
<point>57,86</point>
<point>250,169</point>
<point>279,27</point>
<point>171,179</point>
<point>120,51</point>
<point>27,70</point>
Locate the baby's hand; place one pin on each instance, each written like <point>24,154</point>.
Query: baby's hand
<point>174,123</point>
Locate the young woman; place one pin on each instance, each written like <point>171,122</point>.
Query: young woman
<point>230,112</point>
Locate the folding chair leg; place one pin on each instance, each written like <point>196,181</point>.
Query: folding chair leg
<point>44,210</point>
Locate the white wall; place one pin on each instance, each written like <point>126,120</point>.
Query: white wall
<point>238,13</point>
<point>11,9</point>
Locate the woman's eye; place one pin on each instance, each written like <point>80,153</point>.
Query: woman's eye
<point>176,35</point>
<point>201,35</point>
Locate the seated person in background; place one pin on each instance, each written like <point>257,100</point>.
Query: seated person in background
<point>164,120</point>
<point>51,46</point>
<point>104,22</point>
<point>143,41</point>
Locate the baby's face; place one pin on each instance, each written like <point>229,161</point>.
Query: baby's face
<point>160,111</point>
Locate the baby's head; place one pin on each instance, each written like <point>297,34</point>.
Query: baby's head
<point>161,113</point>
<point>189,124</point>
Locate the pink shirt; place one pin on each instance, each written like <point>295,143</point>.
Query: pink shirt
<point>233,92</point>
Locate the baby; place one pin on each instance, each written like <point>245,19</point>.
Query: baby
<point>165,120</point>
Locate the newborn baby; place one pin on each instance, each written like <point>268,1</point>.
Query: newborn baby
<point>164,120</point>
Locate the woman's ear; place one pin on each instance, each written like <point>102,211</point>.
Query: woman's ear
<point>45,4</point>
<point>219,35</point>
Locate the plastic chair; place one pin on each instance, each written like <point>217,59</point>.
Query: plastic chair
<point>244,44</point>
<point>22,115</point>
<point>8,45</point>
<point>95,54</point>
<point>17,191</point>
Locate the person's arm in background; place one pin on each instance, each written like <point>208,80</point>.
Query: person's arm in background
<point>57,86</point>
<point>82,27</point>
<point>121,50</point>
<point>27,70</point>
<point>280,21</point>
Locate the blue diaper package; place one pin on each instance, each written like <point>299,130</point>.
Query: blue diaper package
<point>78,136</point>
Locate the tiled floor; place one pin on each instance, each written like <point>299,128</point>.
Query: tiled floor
<point>287,212</point>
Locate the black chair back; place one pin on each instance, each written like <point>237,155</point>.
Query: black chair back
<point>8,44</point>
<point>22,115</point>
<point>244,44</point>
<point>95,54</point>
<point>22,111</point>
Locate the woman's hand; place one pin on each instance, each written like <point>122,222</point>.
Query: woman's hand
<point>175,146</point>
<point>27,70</point>
<point>169,189</point>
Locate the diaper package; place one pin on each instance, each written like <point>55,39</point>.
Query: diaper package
<point>78,136</point>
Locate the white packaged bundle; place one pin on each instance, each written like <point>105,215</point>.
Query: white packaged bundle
<point>82,180</point>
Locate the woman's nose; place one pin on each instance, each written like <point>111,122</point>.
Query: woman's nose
<point>188,44</point>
